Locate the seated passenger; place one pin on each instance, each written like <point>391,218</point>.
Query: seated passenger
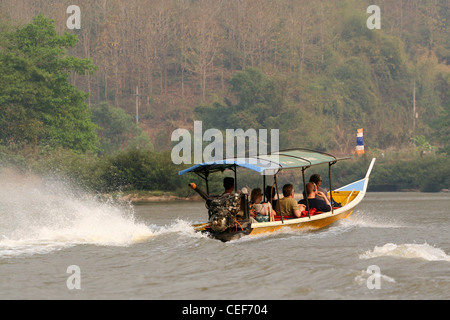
<point>270,196</point>
<point>288,205</point>
<point>317,179</point>
<point>312,193</point>
<point>260,211</point>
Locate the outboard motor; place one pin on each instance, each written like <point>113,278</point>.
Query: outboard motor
<point>223,211</point>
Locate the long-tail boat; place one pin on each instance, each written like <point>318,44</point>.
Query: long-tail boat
<point>229,216</point>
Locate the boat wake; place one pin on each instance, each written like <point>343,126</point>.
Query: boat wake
<point>42,215</point>
<point>365,219</point>
<point>410,251</point>
<point>179,226</point>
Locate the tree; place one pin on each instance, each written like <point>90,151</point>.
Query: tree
<point>202,44</point>
<point>260,103</point>
<point>115,126</point>
<point>37,103</point>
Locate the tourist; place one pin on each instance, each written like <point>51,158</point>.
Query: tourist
<point>288,205</point>
<point>317,179</point>
<point>262,212</point>
<point>322,204</point>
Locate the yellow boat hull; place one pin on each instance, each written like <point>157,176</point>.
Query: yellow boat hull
<point>349,199</point>
<point>303,223</point>
<point>348,196</point>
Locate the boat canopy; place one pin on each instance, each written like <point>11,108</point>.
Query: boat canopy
<point>269,164</point>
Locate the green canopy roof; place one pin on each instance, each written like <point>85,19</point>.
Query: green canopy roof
<point>297,158</point>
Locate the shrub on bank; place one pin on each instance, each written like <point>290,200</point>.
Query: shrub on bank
<point>427,174</point>
<point>143,169</point>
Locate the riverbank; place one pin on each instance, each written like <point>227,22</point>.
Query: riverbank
<point>139,196</point>
<point>154,196</point>
<point>129,171</point>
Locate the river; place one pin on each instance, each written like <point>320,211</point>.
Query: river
<point>58,244</point>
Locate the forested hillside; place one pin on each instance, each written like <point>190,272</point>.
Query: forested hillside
<point>312,69</point>
<point>309,68</point>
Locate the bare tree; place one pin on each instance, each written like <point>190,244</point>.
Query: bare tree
<point>202,39</point>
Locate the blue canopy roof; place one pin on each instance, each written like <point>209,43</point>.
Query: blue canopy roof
<point>266,164</point>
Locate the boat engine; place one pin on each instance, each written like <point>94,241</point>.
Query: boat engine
<point>223,211</point>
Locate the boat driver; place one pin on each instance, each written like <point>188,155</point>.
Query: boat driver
<point>228,184</point>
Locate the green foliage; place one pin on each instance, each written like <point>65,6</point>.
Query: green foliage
<point>423,144</point>
<point>365,80</point>
<point>138,170</point>
<point>117,130</point>
<point>441,124</point>
<point>79,169</point>
<point>430,173</point>
<point>260,101</point>
<point>252,87</point>
<point>317,74</point>
<point>11,158</point>
<point>38,105</point>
